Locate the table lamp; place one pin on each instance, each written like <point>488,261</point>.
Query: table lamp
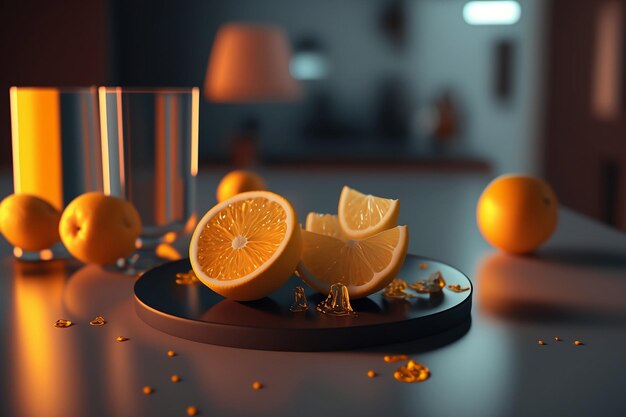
<point>249,63</point>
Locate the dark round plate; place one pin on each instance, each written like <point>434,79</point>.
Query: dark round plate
<point>197,313</point>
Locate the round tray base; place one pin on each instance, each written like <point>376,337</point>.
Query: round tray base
<point>195,312</point>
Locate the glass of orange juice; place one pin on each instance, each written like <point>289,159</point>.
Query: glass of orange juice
<point>56,148</point>
<point>150,158</point>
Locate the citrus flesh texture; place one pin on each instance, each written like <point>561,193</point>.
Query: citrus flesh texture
<point>517,213</point>
<point>248,246</point>
<point>29,222</point>
<point>363,266</point>
<point>363,215</point>
<point>324,224</point>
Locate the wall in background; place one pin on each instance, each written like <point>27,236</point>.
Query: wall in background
<point>165,43</point>
<point>184,32</point>
<point>152,43</point>
<point>49,44</point>
<point>448,53</point>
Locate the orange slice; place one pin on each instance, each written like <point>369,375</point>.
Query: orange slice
<point>324,224</point>
<point>248,246</point>
<point>364,266</point>
<point>363,215</point>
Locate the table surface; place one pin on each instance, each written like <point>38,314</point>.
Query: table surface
<point>572,288</point>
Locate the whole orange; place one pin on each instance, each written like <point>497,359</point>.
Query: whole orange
<point>236,182</point>
<point>96,228</point>
<point>517,213</point>
<point>29,222</point>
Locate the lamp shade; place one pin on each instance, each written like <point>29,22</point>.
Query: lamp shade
<point>250,63</point>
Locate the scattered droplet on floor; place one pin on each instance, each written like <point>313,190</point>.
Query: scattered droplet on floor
<point>395,358</point>
<point>412,372</point>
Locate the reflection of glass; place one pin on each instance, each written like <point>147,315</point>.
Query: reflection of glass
<point>150,158</point>
<point>40,351</point>
<point>56,147</point>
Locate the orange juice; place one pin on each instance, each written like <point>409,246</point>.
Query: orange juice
<point>56,142</point>
<point>36,131</point>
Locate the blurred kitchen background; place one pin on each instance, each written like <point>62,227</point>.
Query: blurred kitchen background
<point>531,86</point>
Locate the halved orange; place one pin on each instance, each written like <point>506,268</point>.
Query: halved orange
<point>248,246</point>
<point>364,215</point>
<point>364,266</point>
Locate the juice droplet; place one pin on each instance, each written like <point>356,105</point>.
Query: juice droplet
<point>423,265</point>
<point>578,343</point>
<point>98,321</point>
<point>541,342</point>
<point>433,284</point>
<point>62,323</point>
<point>395,358</point>
<point>371,374</point>
<point>397,289</point>
<point>421,287</point>
<point>457,288</point>
<point>121,338</point>
<point>299,300</point>
<point>148,390</point>
<point>256,385</point>
<point>171,353</point>
<point>192,411</point>
<point>175,378</point>
<point>435,279</point>
<point>412,372</point>
<point>337,303</point>
<point>557,339</point>
<point>187,278</point>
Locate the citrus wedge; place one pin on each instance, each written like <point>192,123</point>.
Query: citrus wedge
<point>364,266</point>
<point>248,246</point>
<point>324,224</point>
<point>361,215</point>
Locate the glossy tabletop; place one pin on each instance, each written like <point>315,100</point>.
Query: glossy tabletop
<point>572,288</point>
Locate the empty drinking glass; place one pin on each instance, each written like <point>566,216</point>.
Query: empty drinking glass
<point>150,158</point>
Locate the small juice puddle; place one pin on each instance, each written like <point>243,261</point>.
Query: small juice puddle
<point>187,278</point>
<point>98,321</point>
<point>395,358</point>
<point>434,283</point>
<point>412,372</point>
<point>397,289</point>
<point>457,288</point>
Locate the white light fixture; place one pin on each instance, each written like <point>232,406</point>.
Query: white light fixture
<point>492,12</point>
<point>308,66</point>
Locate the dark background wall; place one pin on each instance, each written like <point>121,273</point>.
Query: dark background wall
<point>50,44</point>
<point>168,43</point>
<point>431,51</point>
<point>389,60</point>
